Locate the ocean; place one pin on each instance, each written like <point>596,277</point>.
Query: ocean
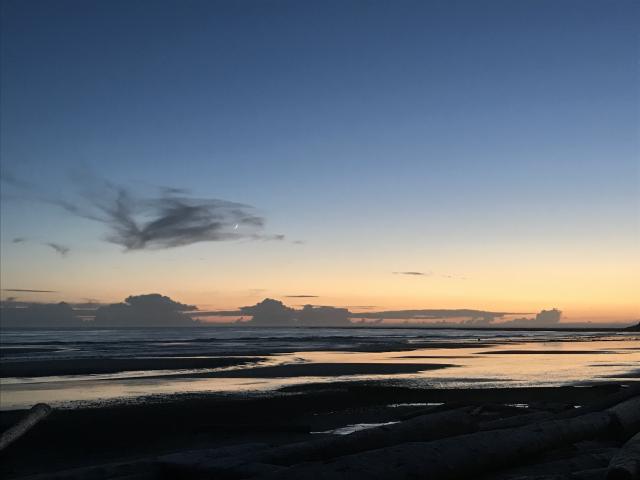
<point>70,368</point>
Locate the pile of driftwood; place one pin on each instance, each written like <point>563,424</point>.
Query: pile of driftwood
<point>598,441</point>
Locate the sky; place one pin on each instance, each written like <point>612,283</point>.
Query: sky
<point>221,152</point>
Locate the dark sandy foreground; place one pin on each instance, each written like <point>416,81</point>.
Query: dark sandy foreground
<point>89,436</point>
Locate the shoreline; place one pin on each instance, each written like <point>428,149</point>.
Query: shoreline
<point>621,327</point>
<point>263,365</point>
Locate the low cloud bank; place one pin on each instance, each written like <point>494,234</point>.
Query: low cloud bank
<point>473,316</point>
<point>269,313</point>
<point>155,310</point>
<point>151,310</point>
<point>38,315</point>
<point>546,318</point>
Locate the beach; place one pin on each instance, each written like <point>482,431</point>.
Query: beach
<point>215,388</point>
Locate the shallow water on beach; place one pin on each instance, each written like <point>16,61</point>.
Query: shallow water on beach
<point>451,359</point>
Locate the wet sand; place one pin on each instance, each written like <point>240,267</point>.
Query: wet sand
<point>319,370</point>
<point>88,436</point>
<point>89,366</point>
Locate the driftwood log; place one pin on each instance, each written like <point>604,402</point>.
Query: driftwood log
<point>516,420</point>
<point>425,428</point>
<point>564,466</point>
<point>470,454</point>
<point>139,470</point>
<point>30,420</point>
<point>418,429</point>
<point>456,457</point>
<point>625,465</point>
<point>627,415</point>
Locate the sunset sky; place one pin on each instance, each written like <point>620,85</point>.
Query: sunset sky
<point>492,147</point>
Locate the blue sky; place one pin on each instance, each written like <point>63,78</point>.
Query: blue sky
<point>385,135</point>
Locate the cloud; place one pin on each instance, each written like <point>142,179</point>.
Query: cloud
<point>38,315</point>
<point>429,274</point>
<point>545,318</point>
<point>301,296</point>
<point>27,290</point>
<point>145,310</point>
<point>420,274</point>
<point>19,240</point>
<point>169,219</point>
<point>271,312</point>
<point>439,314</point>
<point>61,249</point>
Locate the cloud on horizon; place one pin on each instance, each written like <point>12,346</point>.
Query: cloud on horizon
<point>145,310</point>
<point>430,274</point>
<point>28,290</point>
<point>439,314</point>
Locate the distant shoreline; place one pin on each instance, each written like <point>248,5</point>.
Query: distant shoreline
<point>339,327</point>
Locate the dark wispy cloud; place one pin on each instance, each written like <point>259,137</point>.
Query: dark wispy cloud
<point>19,240</point>
<point>301,296</point>
<point>61,249</point>
<point>417,274</point>
<point>169,219</point>
<point>27,290</point>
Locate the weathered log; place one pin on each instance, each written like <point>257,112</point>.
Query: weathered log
<point>201,471</point>
<point>253,428</point>
<point>147,467</point>
<point>195,463</point>
<point>607,402</point>
<point>35,415</point>
<point>563,466</point>
<point>424,411</point>
<point>627,414</point>
<point>591,474</point>
<point>419,429</point>
<point>603,404</point>
<point>625,465</point>
<point>428,427</point>
<point>515,421</point>
<point>456,457</point>
<point>143,468</point>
